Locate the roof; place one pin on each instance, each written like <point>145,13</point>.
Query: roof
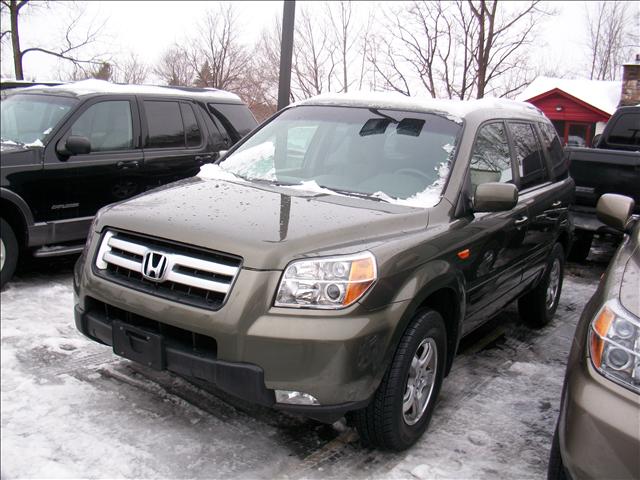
<point>395,100</point>
<point>604,95</point>
<point>93,87</point>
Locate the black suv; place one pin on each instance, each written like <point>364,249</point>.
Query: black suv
<point>69,150</point>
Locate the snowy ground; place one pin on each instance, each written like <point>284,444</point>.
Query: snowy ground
<point>70,408</point>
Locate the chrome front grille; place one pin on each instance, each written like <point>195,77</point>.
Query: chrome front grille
<point>174,271</point>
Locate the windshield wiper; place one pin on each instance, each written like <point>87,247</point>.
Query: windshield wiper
<point>351,193</point>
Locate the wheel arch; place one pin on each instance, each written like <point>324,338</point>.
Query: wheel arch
<point>16,212</point>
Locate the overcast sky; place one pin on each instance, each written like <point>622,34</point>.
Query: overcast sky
<point>148,28</point>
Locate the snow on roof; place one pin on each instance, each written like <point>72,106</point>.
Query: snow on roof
<point>91,86</point>
<point>604,95</point>
<point>395,100</point>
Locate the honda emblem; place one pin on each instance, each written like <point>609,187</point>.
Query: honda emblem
<point>154,266</point>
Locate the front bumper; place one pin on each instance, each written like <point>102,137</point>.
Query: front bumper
<point>599,427</point>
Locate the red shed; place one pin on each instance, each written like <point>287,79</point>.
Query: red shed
<point>578,108</point>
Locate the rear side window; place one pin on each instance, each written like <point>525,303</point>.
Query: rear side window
<point>551,143</point>
<point>626,130</point>
<point>239,116</point>
<point>107,125</point>
<point>528,155</point>
<point>490,158</point>
<point>164,121</point>
<point>191,128</point>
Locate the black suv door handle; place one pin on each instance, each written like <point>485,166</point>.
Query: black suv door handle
<point>128,164</point>
<point>556,204</point>
<point>521,220</point>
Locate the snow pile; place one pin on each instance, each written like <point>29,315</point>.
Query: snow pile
<point>427,198</point>
<point>604,95</point>
<point>212,171</point>
<point>253,162</point>
<point>313,187</point>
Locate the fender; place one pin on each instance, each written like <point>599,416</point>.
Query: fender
<point>19,203</point>
<point>427,279</point>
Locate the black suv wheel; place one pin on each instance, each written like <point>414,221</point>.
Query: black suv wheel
<point>404,402</point>
<point>8,252</point>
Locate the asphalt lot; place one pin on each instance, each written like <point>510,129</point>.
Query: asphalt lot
<point>70,408</point>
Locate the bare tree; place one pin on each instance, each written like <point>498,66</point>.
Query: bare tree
<point>130,70</point>
<point>456,49</point>
<point>74,42</point>
<point>174,67</point>
<point>611,35</point>
<point>345,33</point>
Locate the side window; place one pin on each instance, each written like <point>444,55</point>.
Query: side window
<point>528,155</point>
<point>107,125</point>
<point>551,143</point>
<point>490,158</point>
<point>238,115</point>
<point>191,128</point>
<point>165,125</point>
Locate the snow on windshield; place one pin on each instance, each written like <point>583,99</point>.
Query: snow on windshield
<point>253,162</point>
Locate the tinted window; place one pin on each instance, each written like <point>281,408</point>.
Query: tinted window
<point>107,125</point>
<point>239,116</point>
<point>551,143</point>
<point>626,130</point>
<point>528,155</point>
<point>165,125</point>
<point>191,128</point>
<point>490,158</point>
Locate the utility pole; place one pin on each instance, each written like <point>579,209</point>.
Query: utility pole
<point>286,53</point>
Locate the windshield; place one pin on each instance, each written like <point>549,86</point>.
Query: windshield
<point>28,119</point>
<point>396,156</point>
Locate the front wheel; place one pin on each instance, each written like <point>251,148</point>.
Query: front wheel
<point>402,406</point>
<point>538,306</point>
<point>8,252</point>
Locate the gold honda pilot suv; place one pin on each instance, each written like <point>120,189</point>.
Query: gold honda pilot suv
<point>330,263</point>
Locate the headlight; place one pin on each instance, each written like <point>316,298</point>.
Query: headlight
<point>326,283</point>
<point>614,343</point>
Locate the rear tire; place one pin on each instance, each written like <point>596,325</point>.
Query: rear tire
<point>8,252</point>
<point>538,306</point>
<point>581,247</point>
<point>402,406</point>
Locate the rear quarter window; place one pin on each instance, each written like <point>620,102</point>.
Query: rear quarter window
<point>239,117</point>
<point>528,155</point>
<point>552,146</point>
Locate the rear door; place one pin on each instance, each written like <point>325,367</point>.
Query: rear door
<point>174,141</point>
<point>547,200</point>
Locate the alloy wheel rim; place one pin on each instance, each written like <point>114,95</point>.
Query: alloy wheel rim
<point>554,283</point>
<point>3,254</point>
<point>421,380</point>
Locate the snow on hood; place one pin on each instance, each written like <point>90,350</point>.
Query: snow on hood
<point>604,95</point>
<point>212,171</point>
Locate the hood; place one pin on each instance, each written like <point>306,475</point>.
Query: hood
<point>13,153</point>
<point>266,225</point>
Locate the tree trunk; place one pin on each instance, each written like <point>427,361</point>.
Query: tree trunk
<point>15,40</point>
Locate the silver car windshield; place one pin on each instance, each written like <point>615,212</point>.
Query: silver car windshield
<point>388,154</point>
<point>28,118</point>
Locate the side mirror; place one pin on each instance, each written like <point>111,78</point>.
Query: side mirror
<point>495,197</point>
<point>615,210</point>
<point>77,145</point>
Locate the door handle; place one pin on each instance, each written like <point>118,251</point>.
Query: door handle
<point>128,164</point>
<point>556,204</point>
<point>522,220</point>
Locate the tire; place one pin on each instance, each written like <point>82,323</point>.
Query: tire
<point>537,307</point>
<point>8,252</point>
<point>555,470</point>
<point>386,423</point>
<point>581,247</point>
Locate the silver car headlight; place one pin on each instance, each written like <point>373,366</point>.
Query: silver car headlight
<point>614,345</point>
<point>327,283</point>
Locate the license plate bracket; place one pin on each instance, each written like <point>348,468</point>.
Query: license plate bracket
<point>139,345</point>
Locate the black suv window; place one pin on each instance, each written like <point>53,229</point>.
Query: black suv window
<point>490,158</point>
<point>528,154</point>
<point>551,143</point>
<point>238,116</point>
<point>626,130</point>
<point>171,125</point>
<point>107,125</point>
